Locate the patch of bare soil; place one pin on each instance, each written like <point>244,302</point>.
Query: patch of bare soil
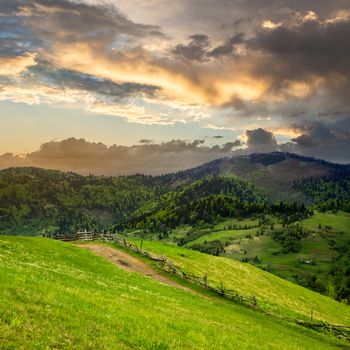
<point>130,263</point>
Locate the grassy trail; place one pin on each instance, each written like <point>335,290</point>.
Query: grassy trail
<point>130,263</point>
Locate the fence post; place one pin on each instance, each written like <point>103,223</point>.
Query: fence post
<point>254,301</point>
<point>222,289</point>
<point>205,280</point>
<point>312,313</point>
<point>141,245</point>
<point>125,242</point>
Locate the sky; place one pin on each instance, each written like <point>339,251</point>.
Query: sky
<point>124,86</point>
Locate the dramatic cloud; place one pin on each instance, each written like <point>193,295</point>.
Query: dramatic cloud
<point>228,47</point>
<point>262,65</point>
<point>88,157</point>
<point>309,55</point>
<point>195,50</point>
<point>260,140</point>
<point>16,65</point>
<point>84,157</point>
<point>314,134</point>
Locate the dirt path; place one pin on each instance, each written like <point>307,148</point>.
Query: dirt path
<point>129,263</point>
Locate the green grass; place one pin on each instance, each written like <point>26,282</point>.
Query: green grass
<point>223,236</point>
<point>248,280</point>
<point>58,296</point>
<point>339,221</point>
<point>239,223</point>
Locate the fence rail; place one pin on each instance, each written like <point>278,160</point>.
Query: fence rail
<point>79,236</point>
<point>167,266</point>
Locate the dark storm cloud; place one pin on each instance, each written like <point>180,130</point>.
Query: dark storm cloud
<point>310,48</point>
<point>195,50</point>
<point>313,134</point>
<point>86,157</point>
<point>260,140</point>
<point>30,25</point>
<point>306,51</point>
<point>82,22</point>
<point>327,139</point>
<point>228,47</point>
<point>62,78</point>
<point>323,133</point>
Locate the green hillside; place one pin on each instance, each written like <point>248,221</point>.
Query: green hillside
<point>227,207</point>
<point>58,296</point>
<point>202,200</point>
<point>319,258</point>
<point>294,301</point>
<point>37,201</point>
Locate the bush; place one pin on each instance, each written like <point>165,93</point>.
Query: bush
<point>290,237</point>
<point>213,248</point>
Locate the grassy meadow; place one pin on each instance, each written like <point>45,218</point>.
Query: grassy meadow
<point>294,300</point>
<point>56,295</point>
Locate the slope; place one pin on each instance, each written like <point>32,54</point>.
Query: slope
<point>293,300</point>
<point>203,199</point>
<point>275,173</point>
<point>59,296</point>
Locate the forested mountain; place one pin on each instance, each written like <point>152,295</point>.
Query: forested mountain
<point>276,173</point>
<point>35,200</point>
<point>328,192</point>
<point>206,201</point>
<point>202,200</point>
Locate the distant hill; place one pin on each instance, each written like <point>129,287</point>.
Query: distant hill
<point>201,200</point>
<point>276,173</point>
<point>34,200</point>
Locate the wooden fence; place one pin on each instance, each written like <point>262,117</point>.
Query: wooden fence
<point>78,236</point>
<point>167,266</point>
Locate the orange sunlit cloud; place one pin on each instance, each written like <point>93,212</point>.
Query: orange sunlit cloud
<point>16,65</point>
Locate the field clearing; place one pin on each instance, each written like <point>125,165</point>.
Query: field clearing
<point>223,236</point>
<point>239,223</point>
<point>339,221</point>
